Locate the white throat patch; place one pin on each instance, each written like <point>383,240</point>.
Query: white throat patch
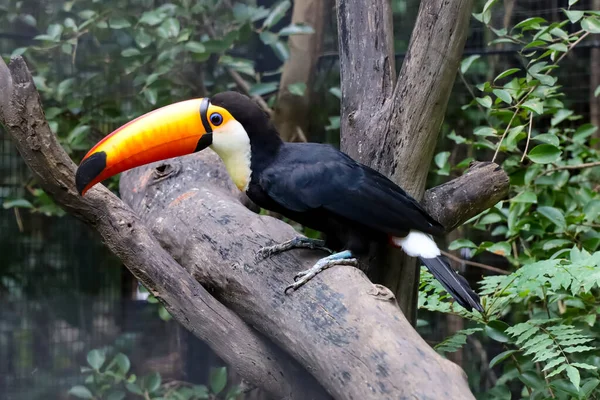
<point>232,143</point>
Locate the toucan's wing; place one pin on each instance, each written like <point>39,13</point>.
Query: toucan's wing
<point>311,176</point>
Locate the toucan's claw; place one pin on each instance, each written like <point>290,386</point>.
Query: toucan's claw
<point>296,243</point>
<point>342,258</point>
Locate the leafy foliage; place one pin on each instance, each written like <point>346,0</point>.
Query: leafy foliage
<point>98,65</point>
<point>544,314</point>
<point>113,381</point>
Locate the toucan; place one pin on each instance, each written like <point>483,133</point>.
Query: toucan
<point>313,184</point>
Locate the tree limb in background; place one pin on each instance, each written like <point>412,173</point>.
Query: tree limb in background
<point>248,352</point>
<point>291,113</point>
<point>393,125</point>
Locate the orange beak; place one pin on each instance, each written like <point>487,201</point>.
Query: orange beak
<point>171,131</point>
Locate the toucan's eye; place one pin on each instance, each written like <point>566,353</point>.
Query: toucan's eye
<point>216,119</point>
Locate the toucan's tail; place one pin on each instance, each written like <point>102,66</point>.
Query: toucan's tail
<point>454,284</point>
<point>419,244</point>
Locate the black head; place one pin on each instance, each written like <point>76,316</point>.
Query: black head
<point>245,110</point>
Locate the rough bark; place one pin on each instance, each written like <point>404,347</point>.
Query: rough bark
<point>250,353</point>
<point>291,113</point>
<point>393,125</point>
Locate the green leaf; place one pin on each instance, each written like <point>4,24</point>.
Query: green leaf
<point>530,23</point>
<point>485,131</point>
<point>534,105</point>
<point>466,63</point>
<point>268,38</point>
<point>560,116</point>
<point>96,358</point>
<point>591,24</point>
<point>18,51</point>
<point>142,38</point>
<point>171,26</point>
<point>488,5</point>
<point>195,47</point>
<point>297,89</point>
<point>218,379</point>
<point>486,101</point>
<point>130,52</point>
<point>260,89</point>
<point>116,395</point>
<point>276,14</point>
<point>336,91</point>
<point>544,154</point>
<point>134,388</point>
<point>118,23</point>
<point>547,138</point>
<point>501,248</point>
<point>559,47</point>
<point>583,132</point>
<point>296,29</point>
<point>150,95</point>
<point>496,330</point>
<point>152,382</point>
<point>525,197</point>
<point>81,392</point>
<point>441,159</point>
<point>461,244</point>
<point>281,50</point>
<point>571,2</point>
<point>152,18</point>
<point>573,374</point>
<point>574,15</point>
<point>503,95</point>
<point>501,357</point>
<point>17,203</point>
<point>597,91</point>
<point>122,362</point>
<point>555,216</point>
<point>506,73</point>
<point>588,387</point>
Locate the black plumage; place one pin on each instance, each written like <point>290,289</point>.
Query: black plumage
<point>322,188</point>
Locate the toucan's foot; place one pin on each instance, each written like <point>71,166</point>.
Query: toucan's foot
<point>342,258</point>
<point>296,243</point>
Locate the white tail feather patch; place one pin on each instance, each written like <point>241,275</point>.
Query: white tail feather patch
<point>417,244</point>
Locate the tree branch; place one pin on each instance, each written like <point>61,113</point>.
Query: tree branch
<point>252,355</point>
<point>395,129</point>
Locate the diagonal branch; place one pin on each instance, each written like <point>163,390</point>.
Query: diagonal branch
<point>252,355</point>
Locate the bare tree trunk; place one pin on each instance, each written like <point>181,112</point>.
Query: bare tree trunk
<point>291,113</point>
<point>393,125</point>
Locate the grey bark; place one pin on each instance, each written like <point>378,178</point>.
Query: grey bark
<point>250,353</point>
<point>392,125</point>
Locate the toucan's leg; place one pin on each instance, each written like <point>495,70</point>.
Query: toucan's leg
<point>341,258</point>
<point>299,242</point>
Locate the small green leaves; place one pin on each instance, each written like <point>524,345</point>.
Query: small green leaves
<point>276,14</point>
<point>461,244</point>
<point>296,29</point>
<point>195,47</point>
<point>297,89</point>
<point>555,216</point>
<point>486,101</point>
<point>544,154</point>
<point>591,24</point>
<point>81,392</point>
<point>96,358</point>
<point>503,95</point>
<point>218,379</point>
<point>534,105</point>
<point>573,15</point>
<point>118,23</point>
<point>573,374</point>
<point>506,73</point>
<point>495,329</point>
<point>466,63</point>
<point>484,131</point>
<point>501,357</point>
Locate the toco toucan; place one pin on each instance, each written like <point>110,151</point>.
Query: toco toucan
<point>313,184</point>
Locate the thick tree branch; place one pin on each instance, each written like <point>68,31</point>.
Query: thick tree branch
<point>253,356</point>
<point>395,129</point>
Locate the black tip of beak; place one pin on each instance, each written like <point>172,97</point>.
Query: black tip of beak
<point>89,169</point>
